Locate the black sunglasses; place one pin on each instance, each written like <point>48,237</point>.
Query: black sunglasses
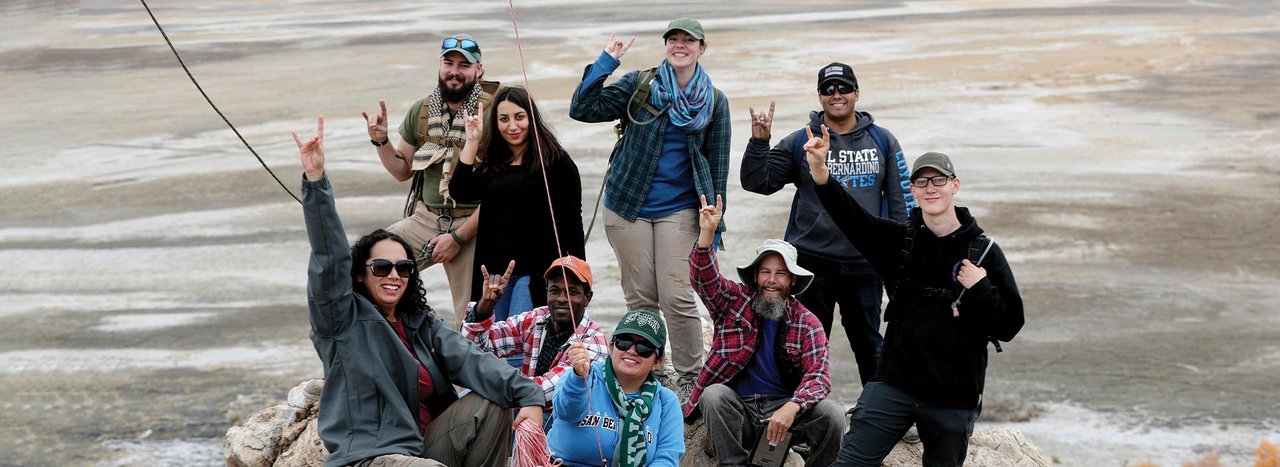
<point>643,348</point>
<point>831,88</point>
<point>937,180</point>
<point>382,267</point>
<point>464,44</point>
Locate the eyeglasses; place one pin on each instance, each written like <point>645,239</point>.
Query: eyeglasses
<point>464,44</point>
<point>939,180</point>
<point>643,348</point>
<point>831,88</point>
<point>382,267</point>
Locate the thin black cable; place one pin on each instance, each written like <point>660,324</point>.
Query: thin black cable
<point>215,107</point>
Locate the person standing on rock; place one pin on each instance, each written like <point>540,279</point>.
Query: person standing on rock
<point>952,294</point>
<point>675,148</point>
<point>390,364</point>
<point>767,373</point>
<point>432,135</point>
<point>867,162</point>
<point>616,412</point>
<point>540,336</point>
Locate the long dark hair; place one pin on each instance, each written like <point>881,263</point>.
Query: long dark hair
<point>414,299</point>
<point>498,154</point>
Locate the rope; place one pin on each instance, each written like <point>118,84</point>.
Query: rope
<point>531,447</point>
<point>533,124</point>
<point>211,104</point>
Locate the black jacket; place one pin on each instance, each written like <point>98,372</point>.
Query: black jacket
<point>928,352</point>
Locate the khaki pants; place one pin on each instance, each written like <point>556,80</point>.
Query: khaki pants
<point>653,255</point>
<point>472,432</point>
<point>420,228</point>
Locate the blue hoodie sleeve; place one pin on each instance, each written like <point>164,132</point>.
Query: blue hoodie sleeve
<point>669,439</point>
<point>897,184</point>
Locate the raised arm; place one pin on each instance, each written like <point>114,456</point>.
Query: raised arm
<point>715,291</point>
<point>765,170</point>
<point>330,298</point>
<point>592,100</point>
<point>397,159</point>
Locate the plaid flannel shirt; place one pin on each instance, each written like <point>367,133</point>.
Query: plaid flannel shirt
<point>632,164</point>
<point>522,334</point>
<point>736,335</point>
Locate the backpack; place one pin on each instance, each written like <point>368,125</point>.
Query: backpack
<point>978,249</point>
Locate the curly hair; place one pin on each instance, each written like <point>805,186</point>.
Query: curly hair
<point>414,299</point>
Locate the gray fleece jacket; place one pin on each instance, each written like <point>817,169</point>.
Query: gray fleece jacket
<point>370,401</point>
<point>877,180</point>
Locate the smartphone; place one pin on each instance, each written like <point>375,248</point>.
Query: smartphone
<point>766,455</point>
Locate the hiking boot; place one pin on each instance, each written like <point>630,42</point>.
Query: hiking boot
<point>684,389</point>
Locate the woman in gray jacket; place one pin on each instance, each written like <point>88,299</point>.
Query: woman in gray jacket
<point>389,363</point>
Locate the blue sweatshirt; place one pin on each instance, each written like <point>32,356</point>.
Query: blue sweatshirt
<point>573,434</point>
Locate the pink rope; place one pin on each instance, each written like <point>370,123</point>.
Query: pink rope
<point>531,447</point>
<point>555,229</point>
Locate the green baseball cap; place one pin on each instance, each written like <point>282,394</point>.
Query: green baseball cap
<point>934,160</point>
<point>643,323</point>
<point>689,25</point>
<point>463,44</point>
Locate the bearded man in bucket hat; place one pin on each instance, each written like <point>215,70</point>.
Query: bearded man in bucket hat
<point>767,372</point>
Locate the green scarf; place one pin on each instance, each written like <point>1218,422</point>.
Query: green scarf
<point>631,450</point>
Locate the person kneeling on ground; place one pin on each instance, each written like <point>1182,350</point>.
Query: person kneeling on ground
<point>389,362</point>
<point>619,403</point>
<point>768,362</point>
<point>952,294</point>
<point>541,335</point>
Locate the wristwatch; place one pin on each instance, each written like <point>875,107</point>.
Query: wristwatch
<point>380,144</point>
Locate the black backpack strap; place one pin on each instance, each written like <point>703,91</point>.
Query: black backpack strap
<point>904,261</point>
<point>978,249</point>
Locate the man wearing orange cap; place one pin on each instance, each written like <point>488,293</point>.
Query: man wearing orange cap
<point>542,334</point>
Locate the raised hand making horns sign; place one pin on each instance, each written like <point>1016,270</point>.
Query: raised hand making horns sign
<point>616,48</point>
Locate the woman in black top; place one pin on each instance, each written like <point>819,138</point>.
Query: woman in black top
<point>516,223</point>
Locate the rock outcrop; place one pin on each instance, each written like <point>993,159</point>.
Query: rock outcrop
<point>285,435</point>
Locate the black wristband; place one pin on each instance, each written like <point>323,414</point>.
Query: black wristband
<point>383,143</point>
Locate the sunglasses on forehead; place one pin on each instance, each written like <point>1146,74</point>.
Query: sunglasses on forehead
<point>383,267</point>
<point>643,348</point>
<point>831,88</point>
<point>464,44</point>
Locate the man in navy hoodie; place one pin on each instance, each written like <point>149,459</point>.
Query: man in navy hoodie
<point>867,162</point>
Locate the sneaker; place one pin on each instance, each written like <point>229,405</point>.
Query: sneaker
<point>684,389</point>
<point>912,437</point>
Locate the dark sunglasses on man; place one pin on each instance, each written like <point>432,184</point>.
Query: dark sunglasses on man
<point>464,44</point>
<point>831,87</point>
<point>643,348</point>
<point>382,267</point>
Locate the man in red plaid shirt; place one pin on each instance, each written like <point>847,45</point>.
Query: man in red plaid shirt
<point>766,373</point>
<point>542,334</point>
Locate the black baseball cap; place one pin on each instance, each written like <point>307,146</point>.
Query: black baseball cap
<point>839,72</point>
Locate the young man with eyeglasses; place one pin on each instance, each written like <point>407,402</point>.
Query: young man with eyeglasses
<point>432,135</point>
<point>867,162</point>
<point>767,372</point>
<point>943,311</point>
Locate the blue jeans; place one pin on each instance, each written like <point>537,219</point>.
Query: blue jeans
<point>515,300</point>
<point>883,415</point>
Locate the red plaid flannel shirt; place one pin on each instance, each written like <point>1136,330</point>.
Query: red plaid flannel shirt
<point>523,334</point>
<point>736,335</point>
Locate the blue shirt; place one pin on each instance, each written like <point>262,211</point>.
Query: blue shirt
<point>761,375</point>
<point>573,434</point>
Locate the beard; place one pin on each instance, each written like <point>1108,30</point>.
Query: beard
<point>448,94</point>
<point>769,306</point>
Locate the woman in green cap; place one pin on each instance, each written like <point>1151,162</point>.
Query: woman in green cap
<point>675,148</point>
<point>636,420</point>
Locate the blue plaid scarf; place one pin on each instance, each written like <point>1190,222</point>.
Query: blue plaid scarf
<point>691,107</point>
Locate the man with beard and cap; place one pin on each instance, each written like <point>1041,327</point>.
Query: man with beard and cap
<point>431,137</point>
<point>541,335</point>
<point>767,372</point>
<point>953,293</point>
<point>867,162</point>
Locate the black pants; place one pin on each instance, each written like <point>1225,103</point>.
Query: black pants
<point>883,415</point>
<point>857,289</point>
